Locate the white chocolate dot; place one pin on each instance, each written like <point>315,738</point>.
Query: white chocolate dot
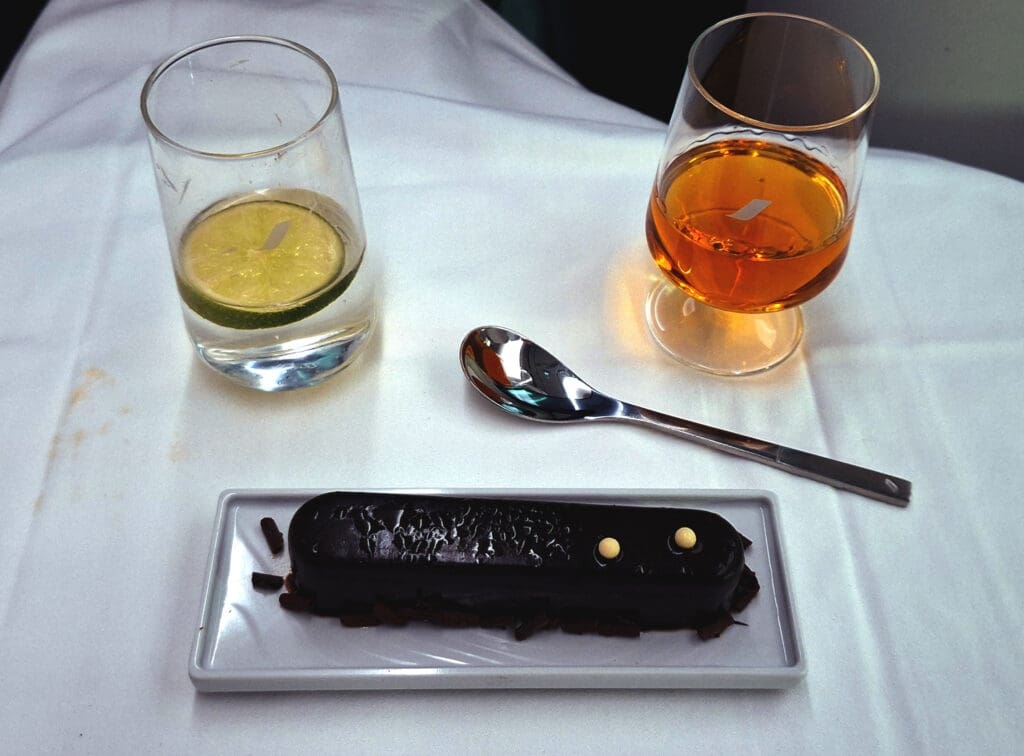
<point>609,548</point>
<point>685,538</point>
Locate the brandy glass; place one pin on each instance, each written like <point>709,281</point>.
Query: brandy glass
<point>755,194</point>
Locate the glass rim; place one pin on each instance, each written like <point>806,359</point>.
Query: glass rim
<point>166,65</point>
<point>852,116</point>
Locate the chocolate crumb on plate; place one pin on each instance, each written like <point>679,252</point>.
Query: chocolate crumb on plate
<point>265,581</point>
<point>275,539</point>
<point>748,587</point>
<point>531,625</point>
<point>716,627</point>
<point>295,602</point>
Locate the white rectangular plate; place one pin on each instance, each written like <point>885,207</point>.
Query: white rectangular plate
<point>247,642</point>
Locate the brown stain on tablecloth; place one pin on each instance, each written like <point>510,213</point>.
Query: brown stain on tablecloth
<point>74,439</point>
<point>90,378</point>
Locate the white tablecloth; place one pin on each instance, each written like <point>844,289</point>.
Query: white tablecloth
<point>495,190</point>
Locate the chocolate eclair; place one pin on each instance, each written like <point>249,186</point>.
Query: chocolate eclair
<point>612,569</point>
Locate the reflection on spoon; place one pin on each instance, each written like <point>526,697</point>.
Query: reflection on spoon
<point>523,378</point>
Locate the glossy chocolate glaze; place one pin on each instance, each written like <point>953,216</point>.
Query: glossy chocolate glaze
<point>494,558</point>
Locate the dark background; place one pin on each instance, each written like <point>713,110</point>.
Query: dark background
<point>20,17</point>
<point>631,52</point>
<point>951,77</point>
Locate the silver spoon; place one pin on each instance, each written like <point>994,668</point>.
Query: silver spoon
<point>526,380</point>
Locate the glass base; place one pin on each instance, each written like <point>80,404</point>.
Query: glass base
<point>718,341</point>
<point>289,365</point>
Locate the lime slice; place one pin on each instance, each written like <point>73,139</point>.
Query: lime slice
<point>261,264</point>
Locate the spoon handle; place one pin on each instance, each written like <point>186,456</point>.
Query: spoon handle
<point>860,480</point>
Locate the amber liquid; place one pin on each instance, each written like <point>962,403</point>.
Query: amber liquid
<point>749,226</point>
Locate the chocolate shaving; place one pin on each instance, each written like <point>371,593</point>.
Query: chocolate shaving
<point>746,589</point>
<point>524,627</point>
<point>275,540</point>
<point>716,627</point>
<point>264,581</point>
<point>295,602</point>
<point>528,626</point>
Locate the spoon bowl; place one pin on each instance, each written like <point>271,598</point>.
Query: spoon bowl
<point>526,380</point>
<point>523,378</point>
